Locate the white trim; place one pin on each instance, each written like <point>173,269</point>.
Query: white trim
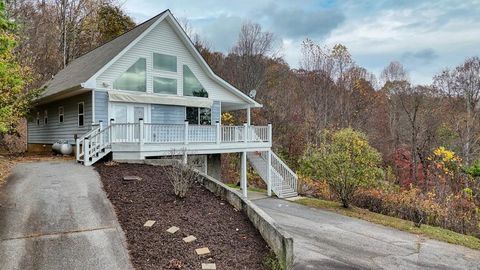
<point>220,109</point>
<point>91,82</point>
<point>93,106</point>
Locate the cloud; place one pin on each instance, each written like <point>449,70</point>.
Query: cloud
<point>426,35</point>
<point>426,56</point>
<point>300,23</point>
<point>220,32</point>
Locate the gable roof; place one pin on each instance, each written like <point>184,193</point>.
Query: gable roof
<point>87,65</point>
<point>82,71</point>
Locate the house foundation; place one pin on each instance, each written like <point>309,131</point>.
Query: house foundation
<point>214,166</point>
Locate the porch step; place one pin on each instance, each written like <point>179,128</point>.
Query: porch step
<point>281,187</point>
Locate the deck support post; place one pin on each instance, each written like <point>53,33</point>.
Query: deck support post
<point>248,116</point>
<point>140,131</point>
<point>243,175</point>
<point>185,157</point>
<point>185,139</point>
<point>269,173</point>
<point>219,137</point>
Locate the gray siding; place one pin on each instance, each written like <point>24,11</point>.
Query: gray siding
<point>166,114</point>
<point>101,106</point>
<point>216,112</point>
<point>54,130</point>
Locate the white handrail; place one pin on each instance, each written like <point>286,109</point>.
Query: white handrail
<point>284,165</point>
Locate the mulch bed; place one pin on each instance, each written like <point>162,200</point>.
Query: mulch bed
<point>233,241</point>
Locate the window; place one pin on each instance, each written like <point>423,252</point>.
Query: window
<point>191,85</point>
<point>164,86</point>
<point>60,114</point>
<point>45,117</point>
<point>165,62</point>
<point>199,116</point>
<point>38,118</point>
<point>134,79</point>
<point>81,114</point>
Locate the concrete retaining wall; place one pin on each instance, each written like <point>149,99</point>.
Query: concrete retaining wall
<point>279,241</point>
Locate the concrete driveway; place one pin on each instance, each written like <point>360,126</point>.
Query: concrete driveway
<point>55,215</point>
<point>325,240</point>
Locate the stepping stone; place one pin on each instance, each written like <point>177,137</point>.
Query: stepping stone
<point>189,239</point>
<point>173,229</point>
<point>149,223</point>
<point>209,266</point>
<point>131,178</point>
<point>202,251</point>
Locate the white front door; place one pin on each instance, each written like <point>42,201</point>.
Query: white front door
<point>130,112</point>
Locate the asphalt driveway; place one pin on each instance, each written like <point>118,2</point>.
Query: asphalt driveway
<point>55,215</point>
<point>326,240</point>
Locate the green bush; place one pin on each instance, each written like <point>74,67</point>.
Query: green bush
<point>474,169</point>
<point>345,161</point>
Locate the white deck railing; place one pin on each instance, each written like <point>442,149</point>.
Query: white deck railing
<point>148,133</point>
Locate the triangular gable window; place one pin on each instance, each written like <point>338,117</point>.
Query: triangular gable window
<point>191,85</point>
<point>134,79</point>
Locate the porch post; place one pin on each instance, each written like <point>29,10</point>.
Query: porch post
<point>245,132</point>
<point>140,131</point>
<point>86,152</point>
<point>100,124</point>
<point>112,121</point>
<point>248,116</point>
<point>77,149</point>
<point>270,134</point>
<point>219,136</point>
<point>269,173</point>
<point>243,175</point>
<point>185,138</point>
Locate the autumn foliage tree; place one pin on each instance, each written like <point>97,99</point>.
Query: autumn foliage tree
<point>345,161</point>
<point>15,99</point>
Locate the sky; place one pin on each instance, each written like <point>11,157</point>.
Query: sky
<point>425,36</point>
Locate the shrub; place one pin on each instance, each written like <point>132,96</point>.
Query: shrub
<point>182,176</point>
<point>347,162</point>
<point>474,169</point>
<point>457,213</point>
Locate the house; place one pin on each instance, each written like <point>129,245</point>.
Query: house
<point>149,93</point>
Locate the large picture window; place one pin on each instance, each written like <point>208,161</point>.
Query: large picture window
<point>191,85</point>
<point>134,79</point>
<point>199,116</point>
<point>165,62</point>
<point>164,86</point>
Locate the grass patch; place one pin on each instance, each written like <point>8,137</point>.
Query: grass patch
<point>271,262</point>
<point>432,232</point>
<point>253,189</point>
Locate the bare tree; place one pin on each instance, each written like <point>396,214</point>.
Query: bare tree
<point>391,75</point>
<point>464,83</point>
<point>252,49</point>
